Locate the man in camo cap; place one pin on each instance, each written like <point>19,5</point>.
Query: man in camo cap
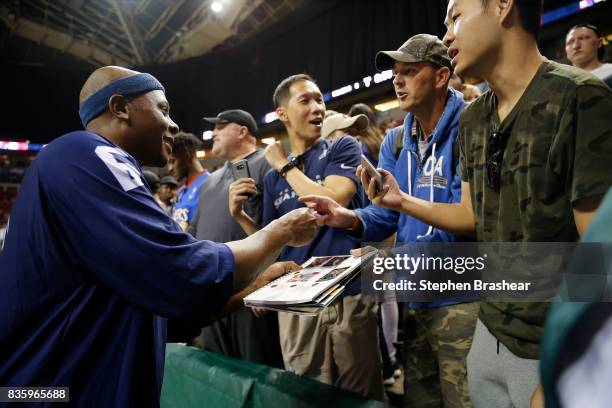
<point>438,334</point>
<point>422,155</point>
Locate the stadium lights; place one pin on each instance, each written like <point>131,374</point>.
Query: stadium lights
<point>270,117</point>
<point>383,76</point>
<point>216,6</point>
<point>383,107</point>
<point>207,135</point>
<point>588,3</point>
<point>268,140</point>
<point>200,154</point>
<point>567,10</point>
<point>20,146</point>
<point>342,91</point>
<point>16,146</point>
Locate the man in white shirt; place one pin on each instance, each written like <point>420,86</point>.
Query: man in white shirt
<point>584,48</point>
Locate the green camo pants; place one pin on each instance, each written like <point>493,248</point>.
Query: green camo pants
<point>437,342</point>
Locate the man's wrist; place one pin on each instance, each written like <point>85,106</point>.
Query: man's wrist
<point>403,201</point>
<point>356,229</point>
<point>257,283</point>
<point>279,166</point>
<point>355,222</point>
<point>278,233</point>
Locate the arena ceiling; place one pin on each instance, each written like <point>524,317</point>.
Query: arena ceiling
<point>132,32</point>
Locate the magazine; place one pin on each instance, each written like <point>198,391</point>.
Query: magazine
<point>308,290</point>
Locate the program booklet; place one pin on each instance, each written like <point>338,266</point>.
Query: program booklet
<point>308,290</point>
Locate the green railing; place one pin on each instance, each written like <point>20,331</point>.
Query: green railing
<point>195,378</point>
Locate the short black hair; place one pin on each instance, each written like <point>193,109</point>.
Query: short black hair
<point>601,50</point>
<point>185,142</point>
<point>530,14</point>
<point>282,91</point>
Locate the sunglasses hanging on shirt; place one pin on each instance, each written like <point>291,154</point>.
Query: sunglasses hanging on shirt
<point>496,145</point>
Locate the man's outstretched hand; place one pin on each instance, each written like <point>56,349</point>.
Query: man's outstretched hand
<point>329,212</point>
<point>301,226</point>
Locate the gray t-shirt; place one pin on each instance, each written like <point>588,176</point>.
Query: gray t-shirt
<point>212,220</point>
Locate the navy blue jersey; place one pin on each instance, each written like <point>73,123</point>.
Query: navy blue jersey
<point>339,157</point>
<point>91,267</point>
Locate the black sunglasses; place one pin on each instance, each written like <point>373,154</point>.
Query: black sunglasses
<point>495,154</point>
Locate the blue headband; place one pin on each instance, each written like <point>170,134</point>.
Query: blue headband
<point>132,85</point>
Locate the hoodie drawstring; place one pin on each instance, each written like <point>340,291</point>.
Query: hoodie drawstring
<point>433,165</point>
<point>409,172</point>
<point>431,182</point>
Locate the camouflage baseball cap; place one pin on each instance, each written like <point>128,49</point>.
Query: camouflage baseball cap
<point>421,47</point>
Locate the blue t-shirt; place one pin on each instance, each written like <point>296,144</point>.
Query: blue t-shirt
<point>340,157</point>
<point>372,159</point>
<point>91,269</point>
<point>187,200</point>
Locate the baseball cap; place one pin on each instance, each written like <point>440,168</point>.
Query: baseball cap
<point>168,180</point>
<point>340,121</point>
<point>151,178</point>
<point>238,116</point>
<point>419,48</point>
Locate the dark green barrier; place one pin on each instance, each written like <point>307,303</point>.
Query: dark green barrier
<point>565,317</point>
<point>195,378</point>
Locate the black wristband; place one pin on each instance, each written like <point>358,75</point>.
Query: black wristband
<point>293,163</point>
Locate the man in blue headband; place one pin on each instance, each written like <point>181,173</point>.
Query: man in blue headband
<point>92,266</point>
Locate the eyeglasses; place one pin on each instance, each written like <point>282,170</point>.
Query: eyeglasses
<point>495,154</point>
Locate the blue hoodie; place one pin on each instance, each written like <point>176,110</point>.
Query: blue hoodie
<point>443,185</point>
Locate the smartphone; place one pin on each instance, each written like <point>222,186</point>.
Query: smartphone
<point>240,169</point>
<point>373,173</point>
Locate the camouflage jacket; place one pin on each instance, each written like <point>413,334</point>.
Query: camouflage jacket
<point>558,150</point>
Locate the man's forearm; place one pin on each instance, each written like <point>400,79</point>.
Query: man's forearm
<point>248,225</point>
<point>256,252</point>
<point>303,186</point>
<point>454,218</point>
